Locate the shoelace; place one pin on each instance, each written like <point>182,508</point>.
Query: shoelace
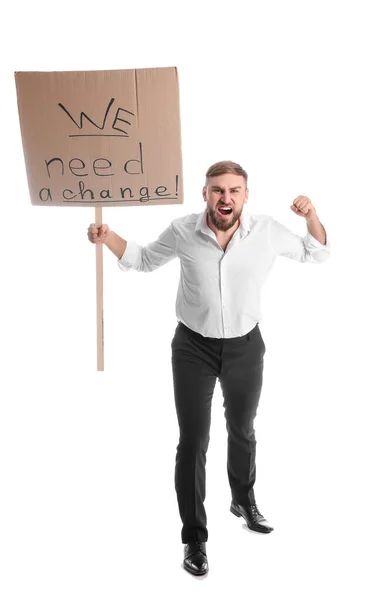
<point>199,547</point>
<point>255,511</point>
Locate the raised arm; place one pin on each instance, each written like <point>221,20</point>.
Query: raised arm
<point>303,207</point>
<point>314,247</point>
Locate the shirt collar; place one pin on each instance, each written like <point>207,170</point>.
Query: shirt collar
<point>244,227</point>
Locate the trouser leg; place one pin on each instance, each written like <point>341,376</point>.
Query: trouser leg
<point>241,382</point>
<point>194,381</point>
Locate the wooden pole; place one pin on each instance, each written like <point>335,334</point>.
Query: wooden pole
<point>99,294</point>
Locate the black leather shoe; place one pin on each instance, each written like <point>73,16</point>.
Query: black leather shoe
<point>252,516</point>
<point>195,558</point>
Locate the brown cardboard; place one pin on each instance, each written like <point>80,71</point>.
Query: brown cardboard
<point>116,133</point>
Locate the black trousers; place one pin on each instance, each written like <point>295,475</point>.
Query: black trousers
<point>197,363</point>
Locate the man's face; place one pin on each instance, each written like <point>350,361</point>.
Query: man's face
<point>225,192</point>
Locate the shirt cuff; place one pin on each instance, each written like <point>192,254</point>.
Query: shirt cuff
<point>130,256</point>
<point>314,243</point>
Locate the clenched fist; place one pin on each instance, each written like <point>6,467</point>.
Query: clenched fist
<point>98,235</point>
<point>303,207</point>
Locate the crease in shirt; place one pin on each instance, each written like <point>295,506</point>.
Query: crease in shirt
<point>210,277</point>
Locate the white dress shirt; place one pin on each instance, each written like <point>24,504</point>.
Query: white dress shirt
<point>219,292</point>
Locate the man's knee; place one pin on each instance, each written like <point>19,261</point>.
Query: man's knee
<point>193,442</point>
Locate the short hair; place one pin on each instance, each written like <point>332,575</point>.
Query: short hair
<point>226,166</point>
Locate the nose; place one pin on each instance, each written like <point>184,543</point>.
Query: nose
<point>226,196</point>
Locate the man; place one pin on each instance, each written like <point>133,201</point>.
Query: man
<point>225,257</point>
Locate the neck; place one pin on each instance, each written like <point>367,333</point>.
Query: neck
<point>223,234</point>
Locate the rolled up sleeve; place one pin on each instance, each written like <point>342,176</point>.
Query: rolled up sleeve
<point>131,256</point>
<point>303,249</point>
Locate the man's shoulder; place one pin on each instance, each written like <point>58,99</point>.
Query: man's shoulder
<point>189,220</point>
<point>257,220</point>
<point>256,217</point>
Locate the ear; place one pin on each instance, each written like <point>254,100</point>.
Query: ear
<point>246,195</point>
<point>204,192</point>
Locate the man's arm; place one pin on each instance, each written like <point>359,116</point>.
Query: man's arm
<point>132,255</point>
<point>316,229</point>
<point>145,258</point>
<point>116,244</point>
<point>314,247</point>
<point>303,249</point>
<point>104,235</point>
<point>303,207</point>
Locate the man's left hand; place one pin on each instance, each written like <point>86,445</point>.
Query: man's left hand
<point>302,206</point>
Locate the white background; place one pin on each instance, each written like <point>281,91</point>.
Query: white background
<point>88,507</point>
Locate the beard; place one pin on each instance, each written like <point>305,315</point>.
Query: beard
<point>223,224</point>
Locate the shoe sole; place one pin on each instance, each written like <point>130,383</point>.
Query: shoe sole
<point>238,514</point>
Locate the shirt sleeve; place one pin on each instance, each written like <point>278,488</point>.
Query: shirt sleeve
<point>304,249</point>
<point>150,257</point>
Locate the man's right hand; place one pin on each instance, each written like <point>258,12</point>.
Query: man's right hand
<point>98,235</point>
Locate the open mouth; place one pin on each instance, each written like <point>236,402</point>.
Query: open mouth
<point>225,211</point>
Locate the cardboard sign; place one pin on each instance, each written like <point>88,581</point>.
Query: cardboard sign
<point>101,138</point>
